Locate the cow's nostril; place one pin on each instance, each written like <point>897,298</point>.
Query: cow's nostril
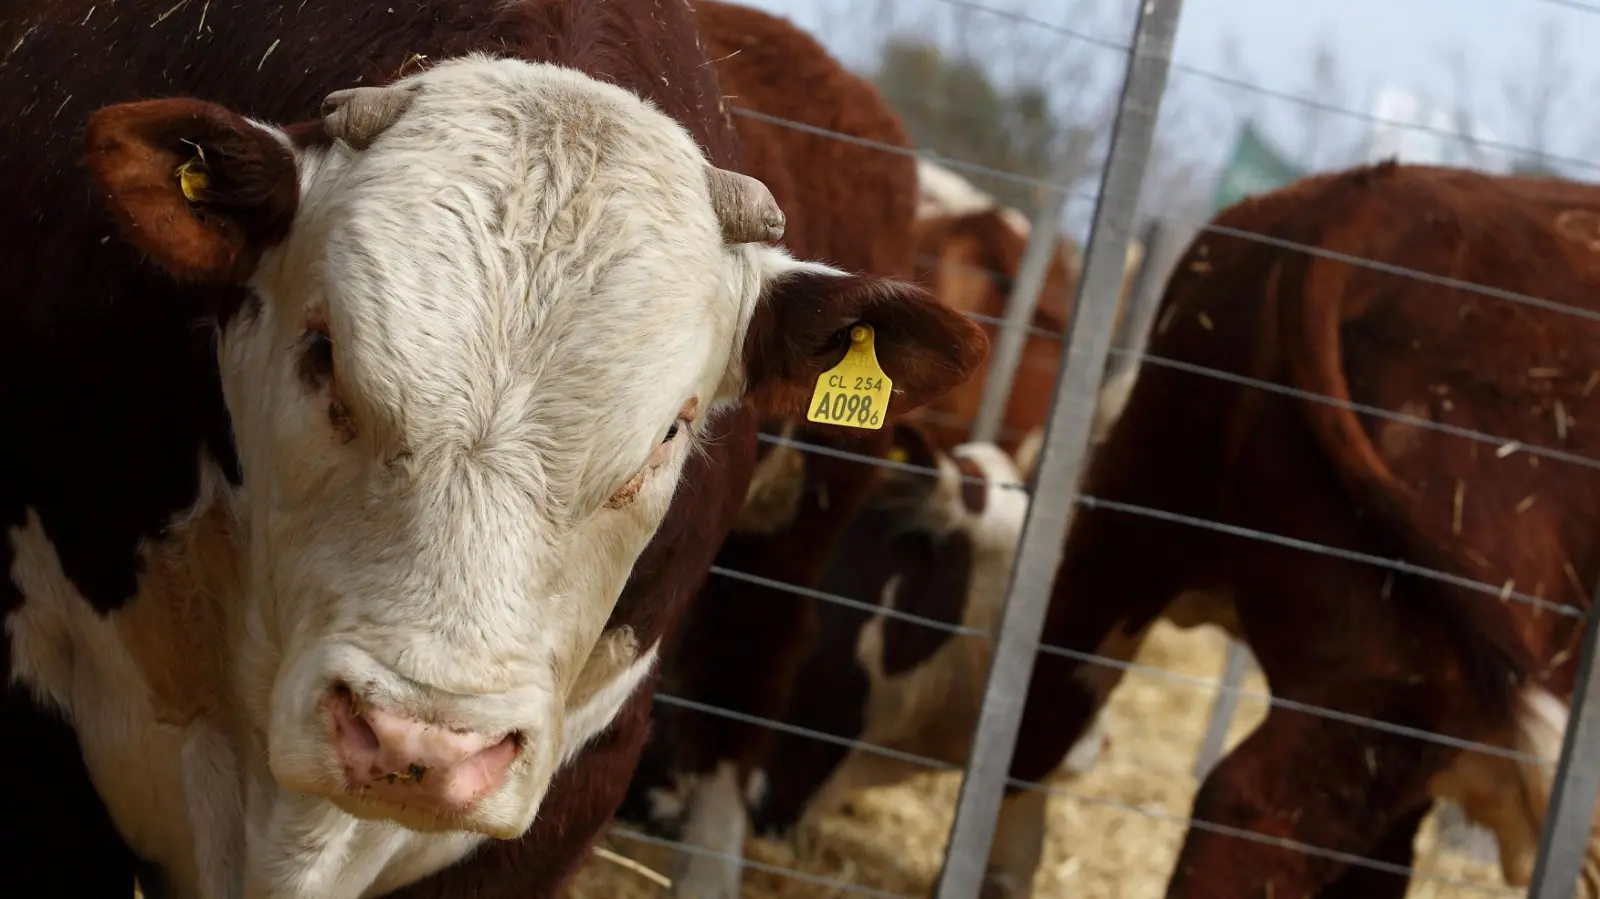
<point>411,759</point>
<point>350,729</point>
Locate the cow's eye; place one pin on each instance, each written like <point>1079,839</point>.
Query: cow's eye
<point>663,450</point>
<point>658,457</point>
<point>316,357</point>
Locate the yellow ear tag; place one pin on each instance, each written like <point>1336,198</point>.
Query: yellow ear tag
<point>854,393</point>
<point>190,181</point>
<point>898,454</point>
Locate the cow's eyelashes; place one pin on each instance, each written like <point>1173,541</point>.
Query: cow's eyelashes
<point>671,432</point>
<point>316,357</point>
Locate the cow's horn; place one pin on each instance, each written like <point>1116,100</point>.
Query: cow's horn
<point>358,115</point>
<point>744,207</point>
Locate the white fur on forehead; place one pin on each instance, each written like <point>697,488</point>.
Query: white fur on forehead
<point>524,265</point>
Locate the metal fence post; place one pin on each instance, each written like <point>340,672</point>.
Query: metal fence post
<point>1144,297</point>
<point>1020,305</point>
<point>1061,459</point>
<point>1564,840</point>
<point>1223,708</point>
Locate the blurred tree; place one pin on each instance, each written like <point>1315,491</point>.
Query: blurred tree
<point>952,106</point>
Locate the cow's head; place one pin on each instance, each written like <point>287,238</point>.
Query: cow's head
<point>970,260</point>
<point>935,544</point>
<point>482,329</point>
<point>938,546</point>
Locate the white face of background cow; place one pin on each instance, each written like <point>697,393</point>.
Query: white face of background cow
<point>492,319</point>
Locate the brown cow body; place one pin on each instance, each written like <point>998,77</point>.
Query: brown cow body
<point>1336,632</point>
<point>939,546</point>
<point>121,384</point>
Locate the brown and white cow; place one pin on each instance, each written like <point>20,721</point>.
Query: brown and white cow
<point>969,249</point>
<point>360,464</point>
<point>1511,519</point>
<point>939,548</point>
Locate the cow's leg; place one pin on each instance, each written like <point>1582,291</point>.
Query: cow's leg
<point>1399,847</point>
<point>1337,635</point>
<point>1305,781</point>
<point>56,838</point>
<point>715,823</point>
<point>1019,834</point>
<point>1018,846</point>
<point>1119,572</point>
<point>742,649</point>
<point>735,656</point>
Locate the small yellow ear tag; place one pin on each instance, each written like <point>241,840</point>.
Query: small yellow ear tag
<point>898,454</point>
<point>190,181</point>
<point>854,393</point>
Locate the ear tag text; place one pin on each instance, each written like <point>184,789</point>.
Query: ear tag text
<point>854,393</point>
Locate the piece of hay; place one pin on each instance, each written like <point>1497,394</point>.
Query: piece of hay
<point>644,871</point>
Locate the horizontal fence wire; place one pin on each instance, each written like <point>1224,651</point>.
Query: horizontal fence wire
<point>929,155</point>
<point>1090,658</point>
<point>1034,786</point>
<point>1316,711</point>
<point>1503,445</point>
<point>796,730</point>
<point>1209,226</point>
<point>847,602</point>
<point>1578,5</point>
<point>1501,592</point>
<point>863,458</point>
<point>1250,835</point>
<point>1195,71</point>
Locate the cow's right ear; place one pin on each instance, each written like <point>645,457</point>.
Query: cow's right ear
<point>804,322</point>
<point>197,188</point>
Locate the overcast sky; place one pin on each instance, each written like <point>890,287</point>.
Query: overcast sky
<point>1403,43</point>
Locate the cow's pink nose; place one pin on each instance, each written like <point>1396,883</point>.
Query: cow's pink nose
<point>393,757</point>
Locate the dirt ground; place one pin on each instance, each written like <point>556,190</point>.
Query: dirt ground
<point>1118,841</point>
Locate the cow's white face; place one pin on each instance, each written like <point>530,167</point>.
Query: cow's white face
<point>482,356</point>
<point>486,333</point>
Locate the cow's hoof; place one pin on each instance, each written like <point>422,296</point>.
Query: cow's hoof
<point>700,877</point>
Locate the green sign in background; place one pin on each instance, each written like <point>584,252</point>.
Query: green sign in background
<point>1254,168</point>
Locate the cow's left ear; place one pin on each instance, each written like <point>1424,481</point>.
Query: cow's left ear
<point>802,327</point>
<point>198,188</point>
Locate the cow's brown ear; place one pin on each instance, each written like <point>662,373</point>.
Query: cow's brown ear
<point>197,188</point>
<point>808,318</point>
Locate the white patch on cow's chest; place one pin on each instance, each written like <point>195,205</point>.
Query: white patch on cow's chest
<point>585,722</point>
<point>144,690</point>
<point>167,782</point>
<point>307,847</point>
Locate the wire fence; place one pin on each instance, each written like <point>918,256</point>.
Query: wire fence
<point>1017,638</point>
